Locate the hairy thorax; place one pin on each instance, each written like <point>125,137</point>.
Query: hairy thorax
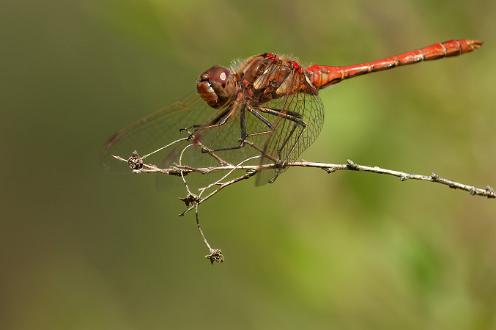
<point>267,76</point>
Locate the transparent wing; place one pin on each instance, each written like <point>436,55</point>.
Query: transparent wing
<point>298,122</point>
<point>158,140</point>
<point>155,131</point>
<point>277,131</point>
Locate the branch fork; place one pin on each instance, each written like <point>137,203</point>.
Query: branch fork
<point>193,201</point>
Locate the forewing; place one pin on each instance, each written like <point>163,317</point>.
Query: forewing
<point>155,131</point>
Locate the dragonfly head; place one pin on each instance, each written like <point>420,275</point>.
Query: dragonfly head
<point>216,86</point>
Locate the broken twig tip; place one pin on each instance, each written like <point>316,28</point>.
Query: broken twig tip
<point>215,255</point>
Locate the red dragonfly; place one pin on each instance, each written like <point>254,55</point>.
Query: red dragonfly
<point>266,105</point>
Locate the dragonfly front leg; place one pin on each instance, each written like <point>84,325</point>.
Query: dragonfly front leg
<point>243,133</point>
<point>195,133</point>
<point>219,120</point>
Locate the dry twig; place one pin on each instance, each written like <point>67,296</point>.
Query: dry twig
<point>194,200</point>
<point>328,167</point>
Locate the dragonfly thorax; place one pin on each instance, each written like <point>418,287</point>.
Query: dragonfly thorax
<point>217,86</point>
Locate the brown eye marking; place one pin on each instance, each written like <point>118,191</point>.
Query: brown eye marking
<point>218,75</point>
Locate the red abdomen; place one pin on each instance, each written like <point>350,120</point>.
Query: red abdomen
<point>322,76</point>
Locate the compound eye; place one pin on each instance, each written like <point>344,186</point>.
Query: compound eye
<point>216,86</point>
<point>219,75</point>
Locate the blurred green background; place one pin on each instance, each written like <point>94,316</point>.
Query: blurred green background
<point>83,249</point>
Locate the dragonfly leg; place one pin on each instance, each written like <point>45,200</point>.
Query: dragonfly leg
<point>296,118</point>
<point>219,120</point>
<point>289,115</point>
<point>242,126</point>
<point>298,123</point>
<point>195,133</point>
<point>260,117</point>
<point>243,133</point>
<point>281,162</point>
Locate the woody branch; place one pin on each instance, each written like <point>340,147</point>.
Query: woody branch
<point>194,200</point>
<point>486,191</point>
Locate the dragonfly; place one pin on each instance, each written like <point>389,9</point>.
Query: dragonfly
<point>266,107</point>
